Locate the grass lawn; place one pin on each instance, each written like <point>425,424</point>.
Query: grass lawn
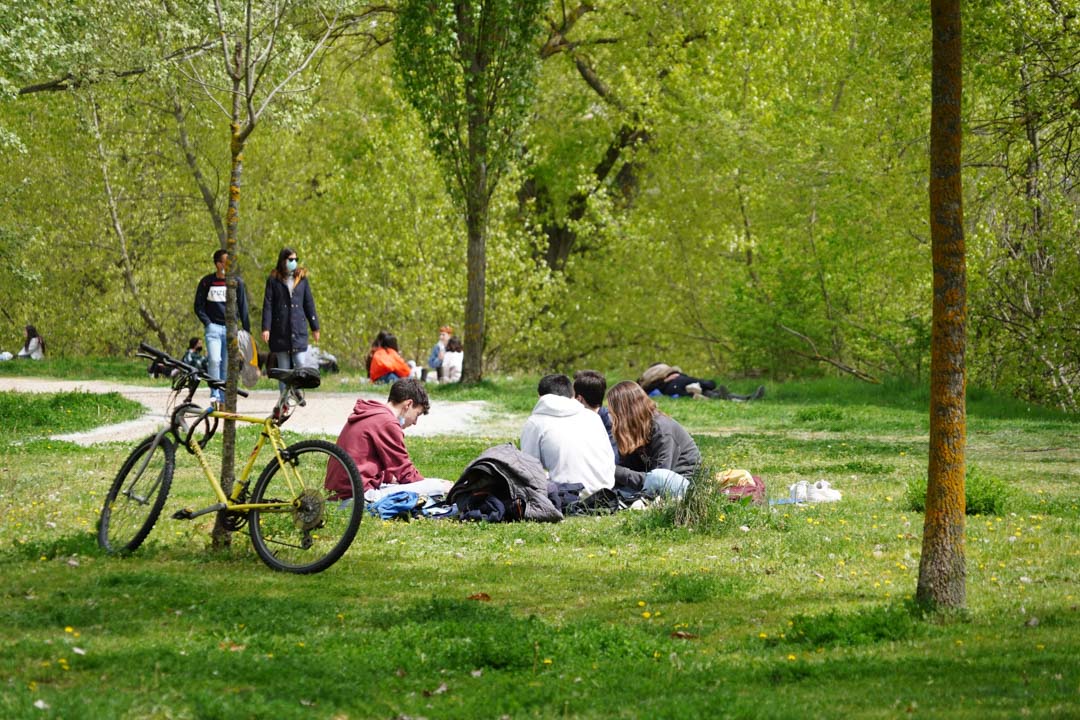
<point>755,612</point>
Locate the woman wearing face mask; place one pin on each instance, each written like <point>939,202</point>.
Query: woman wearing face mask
<point>288,310</point>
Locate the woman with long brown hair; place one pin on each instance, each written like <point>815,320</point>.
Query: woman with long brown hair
<point>657,454</point>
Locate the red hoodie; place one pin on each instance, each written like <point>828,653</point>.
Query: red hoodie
<point>374,439</point>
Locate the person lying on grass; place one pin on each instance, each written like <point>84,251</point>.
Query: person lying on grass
<point>671,381</point>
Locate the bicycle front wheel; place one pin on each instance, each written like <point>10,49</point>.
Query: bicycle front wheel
<point>137,495</point>
<point>313,528</point>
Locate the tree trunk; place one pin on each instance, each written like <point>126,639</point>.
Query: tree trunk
<point>130,282</point>
<point>220,534</point>
<point>942,568</point>
<point>472,367</point>
<point>477,198</point>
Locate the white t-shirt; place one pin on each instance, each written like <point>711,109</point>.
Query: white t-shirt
<point>451,366</point>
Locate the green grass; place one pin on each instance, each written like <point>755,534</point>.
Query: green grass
<point>749,612</point>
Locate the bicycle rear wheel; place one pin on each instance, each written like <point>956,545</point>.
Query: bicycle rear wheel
<point>316,529</point>
<point>137,495</point>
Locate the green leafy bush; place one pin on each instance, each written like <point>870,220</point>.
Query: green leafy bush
<point>984,494</point>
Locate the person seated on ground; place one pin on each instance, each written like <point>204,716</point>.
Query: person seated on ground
<point>671,381</point>
<point>453,357</point>
<point>438,352</point>
<point>194,355</point>
<point>568,438</point>
<point>589,389</point>
<point>33,345</point>
<point>385,364</point>
<point>657,456</point>
<point>374,436</point>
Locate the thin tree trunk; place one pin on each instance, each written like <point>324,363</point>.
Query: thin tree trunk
<point>942,567</point>
<point>121,237</point>
<point>196,172</point>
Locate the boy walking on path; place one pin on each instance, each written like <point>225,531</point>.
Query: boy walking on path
<point>210,309</point>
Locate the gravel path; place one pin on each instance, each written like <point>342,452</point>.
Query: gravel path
<point>324,414</point>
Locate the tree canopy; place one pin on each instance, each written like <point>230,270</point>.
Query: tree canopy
<point>738,189</point>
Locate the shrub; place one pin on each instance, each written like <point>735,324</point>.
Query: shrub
<point>983,494</point>
<point>704,508</point>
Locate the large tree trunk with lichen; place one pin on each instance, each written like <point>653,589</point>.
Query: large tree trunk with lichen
<point>942,568</point>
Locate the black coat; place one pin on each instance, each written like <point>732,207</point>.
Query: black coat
<point>287,316</point>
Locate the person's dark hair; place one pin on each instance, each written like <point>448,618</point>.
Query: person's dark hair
<point>410,389</point>
<point>555,384</point>
<point>192,343</point>
<point>218,254</point>
<point>591,386</point>
<point>454,345</point>
<point>389,340</point>
<point>31,333</point>
<point>282,258</point>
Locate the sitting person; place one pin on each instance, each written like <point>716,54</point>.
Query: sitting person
<point>671,381</point>
<point>657,455</point>
<point>375,439</point>
<point>385,364</point>
<point>33,346</point>
<point>438,352</point>
<point>194,355</point>
<point>568,438</point>
<point>589,389</point>
<point>453,357</point>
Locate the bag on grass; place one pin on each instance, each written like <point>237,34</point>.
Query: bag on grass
<point>403,505</point>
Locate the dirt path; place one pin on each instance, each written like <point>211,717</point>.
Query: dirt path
<point>324,414</point>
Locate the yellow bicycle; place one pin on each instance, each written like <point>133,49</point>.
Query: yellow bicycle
<point>296,524</point>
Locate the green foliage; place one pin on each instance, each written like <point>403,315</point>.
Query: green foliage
<point>467,67</point>
<point>984,494</point>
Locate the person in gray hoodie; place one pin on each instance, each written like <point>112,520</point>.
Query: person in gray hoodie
<point>568,438</point>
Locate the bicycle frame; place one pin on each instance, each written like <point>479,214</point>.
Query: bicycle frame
<point>271,432</point>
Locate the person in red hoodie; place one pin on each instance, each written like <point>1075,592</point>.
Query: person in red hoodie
<point>374,436</point>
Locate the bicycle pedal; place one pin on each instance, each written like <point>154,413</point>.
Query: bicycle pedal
<point>185,514</point>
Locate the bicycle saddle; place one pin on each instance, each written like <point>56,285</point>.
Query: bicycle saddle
<point>302,377</point>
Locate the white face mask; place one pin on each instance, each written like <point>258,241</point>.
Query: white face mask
<point>401,422</point>
<point>291,265</point>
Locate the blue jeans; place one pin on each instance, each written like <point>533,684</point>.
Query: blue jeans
<point>388,379</point>
<point>289,360</point>
<point>217,355</point>
<point>665,483</point>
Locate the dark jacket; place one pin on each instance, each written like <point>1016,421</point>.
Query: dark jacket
<point>286,315</point>
<point>210,301</point>
<point>670,448</point>
<point>521,478</point>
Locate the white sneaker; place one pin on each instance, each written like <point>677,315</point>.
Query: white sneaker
<point>822,491</point>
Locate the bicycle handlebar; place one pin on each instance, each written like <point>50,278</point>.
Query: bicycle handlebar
<point>152,353</point>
